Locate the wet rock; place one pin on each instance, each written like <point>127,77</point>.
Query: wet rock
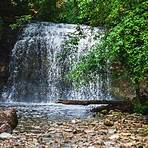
<point>111,131</point>
<point>68,130</point>
<point>8,120</point>
<point>78,130</point>
<point>74,121</point>
<point>5,127</point>
<point>84,133</point>
<point>109,144</point>
<point>104,112</point>
<point>88,131</point>
<point>108,122</point>
<point>113,137</point>
<point>5,136</point>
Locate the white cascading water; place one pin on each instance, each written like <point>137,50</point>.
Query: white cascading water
<point>37,74</point>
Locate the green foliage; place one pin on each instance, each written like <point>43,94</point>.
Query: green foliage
<point>42,9</point>
<point>141,108</point>
<point>21,21</point>
<point>126,41</point>
<point>70,46</point>
<point>94,12</point>
<point>24,11</point>
<point>84,11</point>
<point>90,65</point>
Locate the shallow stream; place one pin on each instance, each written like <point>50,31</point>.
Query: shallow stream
<point>49,111</point>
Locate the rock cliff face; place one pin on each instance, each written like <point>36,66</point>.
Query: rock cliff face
<point>7,41</point>
<point>7,38</point>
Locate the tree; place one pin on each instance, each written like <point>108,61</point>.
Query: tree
<point>126,41</point>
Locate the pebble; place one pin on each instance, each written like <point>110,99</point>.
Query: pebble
<point>5,136</point>
<point>78,133</point>
<point>108,122</point>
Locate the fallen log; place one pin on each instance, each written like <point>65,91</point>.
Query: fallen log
<point>8,120</point>
<point>88,102</point>
<point>121,105</point>
<point>124,108</point>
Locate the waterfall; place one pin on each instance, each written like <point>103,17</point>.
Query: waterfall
<point>37,74</point>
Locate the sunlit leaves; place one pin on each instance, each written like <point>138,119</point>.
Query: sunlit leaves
<point>20,21</point>
<point>126,42</point>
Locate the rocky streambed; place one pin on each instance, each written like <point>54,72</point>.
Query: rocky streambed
<point>105,130</point>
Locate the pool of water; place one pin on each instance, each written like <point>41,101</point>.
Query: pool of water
<point>51,111</point>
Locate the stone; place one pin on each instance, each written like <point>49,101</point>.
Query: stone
<point>5,136</point>
<point>109,144</point>
<point>108,122</point>
<point>88,131</point>
<point>68,130</point>
<point>73,121</point>
<point>5,127</point>
<point>8,120</point>
<point>104,112</point>
<point>113,137</point>
<point>111,131</point>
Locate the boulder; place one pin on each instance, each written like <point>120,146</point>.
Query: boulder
<point>8,120</point>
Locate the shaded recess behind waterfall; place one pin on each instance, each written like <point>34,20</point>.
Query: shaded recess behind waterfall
<point>37,73</point>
